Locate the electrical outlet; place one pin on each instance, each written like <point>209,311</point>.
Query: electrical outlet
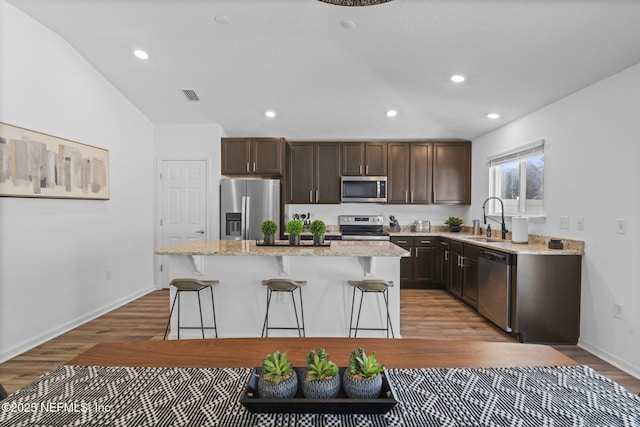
<point>564,222</point>
<point>580,222</point>
<point>617,311</point>
<point>279,297</point>
<point>621,226</point>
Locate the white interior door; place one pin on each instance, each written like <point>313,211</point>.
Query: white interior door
<point>183,205</point>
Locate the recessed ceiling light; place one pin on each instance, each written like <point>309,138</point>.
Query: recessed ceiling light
<point>221,19</point>
<point>493,116</point>
<point>270,114</point>
<point>349,25</point>
<point>392,113</point>
<point>141,54</point>
<point>457,78</point>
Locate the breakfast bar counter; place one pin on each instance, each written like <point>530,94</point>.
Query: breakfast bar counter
<point>306,248</point>
<point>240,298</point>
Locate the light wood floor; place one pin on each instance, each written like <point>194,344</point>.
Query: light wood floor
<point>425,314</point>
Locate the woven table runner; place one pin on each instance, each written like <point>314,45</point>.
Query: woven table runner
<point>120,396</point>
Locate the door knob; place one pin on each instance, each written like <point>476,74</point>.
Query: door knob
<point>200,232</point>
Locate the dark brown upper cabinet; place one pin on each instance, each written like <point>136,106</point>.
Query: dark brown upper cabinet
<point>410,172</point>
<point>313,172</point>
<point>452,173</point>
<point>253,156</point>
<point>364,158</point>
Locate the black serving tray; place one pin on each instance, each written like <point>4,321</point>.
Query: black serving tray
<point>303,244</point>
<point>300,405</point>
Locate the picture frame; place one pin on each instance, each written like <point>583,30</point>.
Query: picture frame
<point>35,164</point>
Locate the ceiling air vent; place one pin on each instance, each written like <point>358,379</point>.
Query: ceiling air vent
<point>190,94</point>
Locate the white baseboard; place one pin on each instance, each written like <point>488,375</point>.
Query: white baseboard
<point>634,371</point>
<point>52,333</point>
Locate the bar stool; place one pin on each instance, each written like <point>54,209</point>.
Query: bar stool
<point>192,285</point>
<point>3,393</point>
<point>368,286</point>
<point>284,285</point>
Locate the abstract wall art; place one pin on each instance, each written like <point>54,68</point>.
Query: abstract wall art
<point>34,164</point>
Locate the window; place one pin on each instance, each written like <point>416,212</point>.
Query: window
<point>517,177</point>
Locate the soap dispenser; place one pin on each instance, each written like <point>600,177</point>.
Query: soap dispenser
<point>489,230</point>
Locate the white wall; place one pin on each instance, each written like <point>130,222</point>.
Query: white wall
<point>189,141</point>
<point>591,170</point>
<point>54,253</point>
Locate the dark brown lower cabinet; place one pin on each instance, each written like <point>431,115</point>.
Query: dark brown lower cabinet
<point>542,298</point>
<point>418,270</point>
<point>463,273</point>
<point>443,267</point>
<point>470,273</point>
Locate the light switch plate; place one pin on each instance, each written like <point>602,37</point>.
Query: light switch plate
<point>621,226</point>
<point>564,222</point>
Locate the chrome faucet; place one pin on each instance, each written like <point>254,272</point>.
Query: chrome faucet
<point>504,227</point>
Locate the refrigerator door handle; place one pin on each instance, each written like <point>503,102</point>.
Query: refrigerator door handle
<point>243,217</point>
<point>246,226</point>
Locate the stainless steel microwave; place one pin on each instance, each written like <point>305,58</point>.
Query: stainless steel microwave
<point>364,189</point>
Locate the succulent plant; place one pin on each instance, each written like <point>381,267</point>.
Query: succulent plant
<point>454,221</point>
<point>294,227</point>
<point>318,227</point>
<point>269,227</point>
<point>362,365</point>
<point>276,367</point>
<point>319,367</point>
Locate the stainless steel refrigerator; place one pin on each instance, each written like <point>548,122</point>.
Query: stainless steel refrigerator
<point>245,204</point>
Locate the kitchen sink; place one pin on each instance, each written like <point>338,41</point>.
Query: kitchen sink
<point>480,239</point>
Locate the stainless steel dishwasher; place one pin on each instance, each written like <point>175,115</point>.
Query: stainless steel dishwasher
<point>494,287</point>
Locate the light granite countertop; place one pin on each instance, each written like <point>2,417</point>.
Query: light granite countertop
<point>249,248</point>
<point>537,245</point>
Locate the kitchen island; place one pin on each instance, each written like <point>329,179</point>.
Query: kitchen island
<point>240,298</point>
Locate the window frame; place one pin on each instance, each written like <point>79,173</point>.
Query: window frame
<point>515,207</point>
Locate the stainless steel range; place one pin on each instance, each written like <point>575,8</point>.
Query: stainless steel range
<point>362,227</point>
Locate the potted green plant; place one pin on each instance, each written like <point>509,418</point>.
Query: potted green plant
<point>269,229</point>
<point>454,223</point>
<point>321,376</point>
<point>363,379</point>
<point>278,379</point>
<point>294,228</point>
<point>318,228</point>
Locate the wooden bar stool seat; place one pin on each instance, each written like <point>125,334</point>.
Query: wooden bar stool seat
<point>192,285</point>
<point>370,286</point>
<point>284,285</point>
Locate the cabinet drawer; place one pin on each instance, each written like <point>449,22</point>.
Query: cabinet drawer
<point>471,251</point>
<point>403,242</point>
<point>456,246</point>
<point>425,241</point>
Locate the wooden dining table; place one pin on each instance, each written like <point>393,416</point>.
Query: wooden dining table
<point>249,352</point>
<point>429,382</point>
